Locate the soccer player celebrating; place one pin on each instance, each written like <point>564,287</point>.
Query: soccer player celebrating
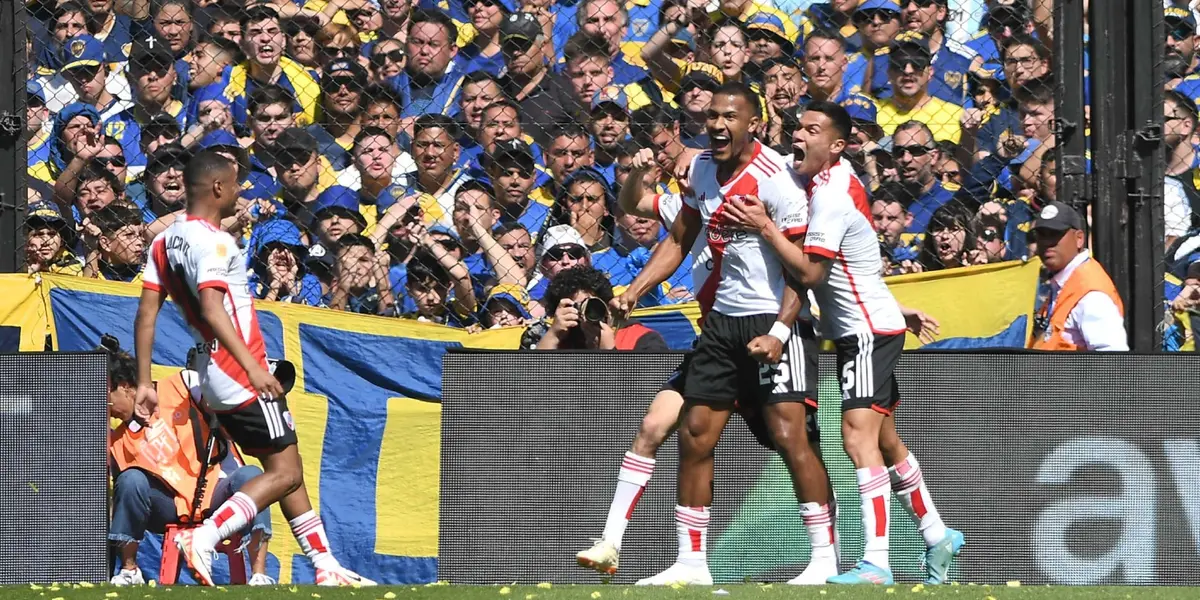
<point>202,269</point>
<point>740,299</point>
<point>839,260</point>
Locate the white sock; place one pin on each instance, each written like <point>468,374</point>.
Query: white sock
<point>310,534</point>
<point>909,484</point>
<point>874,488</point>
<point>818,520</point>
<point>691,524</point>
<point>229,518</point>
<point>631,483</point>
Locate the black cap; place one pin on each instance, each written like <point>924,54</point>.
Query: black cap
<point>150,54</point>
<point>296,138</point>
<point>171,155</point>
<point>1057,216</point>
<point>521,25</point>
<point>164,123</point>
<point>513,150</point>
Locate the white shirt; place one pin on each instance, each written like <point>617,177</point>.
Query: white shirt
<point>668,206</point>
<point>748,277</point>
<point>854,299</point>
<point>1095,323</point>
<point>191,255</point>
<point>1177,212</point>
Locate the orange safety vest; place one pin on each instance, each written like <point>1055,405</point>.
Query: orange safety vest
<point>171,446</point>
<point>1088,277</point>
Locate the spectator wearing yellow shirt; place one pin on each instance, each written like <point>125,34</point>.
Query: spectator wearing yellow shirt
<point>48,241</point>
<point>263,42</point>
<point>910,71</point>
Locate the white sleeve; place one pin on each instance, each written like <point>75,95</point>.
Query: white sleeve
<point>150,278</point>
<point>210,257</point>
<point>787,204</point>
<point>668,206</point>
<point>1099,323</point>
<point>1176,213</point>
<point>826,224</point>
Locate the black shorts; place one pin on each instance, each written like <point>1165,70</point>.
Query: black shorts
<point>867,371</point>
<point>720,372</point>
<point>260,426</point>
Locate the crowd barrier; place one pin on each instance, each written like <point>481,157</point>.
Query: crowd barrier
<point>53,473</point>
<point>1060,469</point>
<point>367,392</point>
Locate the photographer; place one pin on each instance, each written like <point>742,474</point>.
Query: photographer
<point>579,297</point>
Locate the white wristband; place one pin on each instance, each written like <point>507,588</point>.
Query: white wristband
<point>781,332</point>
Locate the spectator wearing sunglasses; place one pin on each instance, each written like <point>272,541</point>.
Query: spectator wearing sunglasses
<point>483,53</point>
<point>1002,22</point>
<point>303,172</point>
<point>916,154</point>
<point>367,18</point>
<point>878,22</point>
<point>1181,36</point>
<point>163,181</point>
<point>152,76</point>
<point>342,88</point>
<point>951,60</point>
<point>910,70</point>
<point>387,60</point>
<point>302,33</point>
<point>990,244</point>
<point>696,89</point>
<point>560,249</point>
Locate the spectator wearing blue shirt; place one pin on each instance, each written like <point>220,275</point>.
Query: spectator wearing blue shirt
<point>1026,63</point>
<point>951,60</point>
<point>342,87</point>
<point>208,59</point>
<point>512,172</point>
<point>877,22</point>
<point>480,90</point>
<point>585,203</point>
<point>264,42</point>
<point>889,212</point>
<point>84,67</point>
<point>507,305</point>
<point>334,214</point>
<point>277,263</point>
<point>375,154</point>
<point>428,84</point>
<point>825,67</point>
<point>483,53</point>
<point>69,19</point>
<point>516,241</point>
<point>1002,22</point>
<point>36,113</point>
<point>152,76</point>
<point>299,167</point>
<point>119,248</point>
<point>172,23</point>
<point>529,80</point>
<point>609,19</point>
<point>270,109</point>
<point>440,286</point>
<point>475,218</point>
<point>114,30</point>
<point>916,155</point>
<point>610,117</point>
<point>163,180</point>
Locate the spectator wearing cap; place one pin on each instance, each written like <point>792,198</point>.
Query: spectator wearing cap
<point>303,173</point>
<point>360,285</point>
<point>119,253</point>
<point>528,79</point>
<point>208,59</point>
<point>837,16</point>
<point>1084,310</point>
<point>512,172</point>
<point>48,241</point>
<point>162,129</point>
<point>483,53</point>
<point>37,116</point>
<point>578,300</point>
<point>84,68</point>
<point>768,38</point>
<point>270,114</point>
<point>475,217</point>
<point>696,89</point>
<point>152,76</point>
<point>1002,22</point>
<point>342,87</point>
<point>916,154</point>
<point>501,121</point>
<point>951,60</point>
<point>387,58</point>
<point>559,249</point>
<point>507,305</point>
<point>263,44</point>
<point>611,113</point>
<point>878,23</point>
<point>865,135</point>
<point>208,112</point>
<point>435,150</point>
<point>1181,36</point>
<point>334,214</point>
<point>75,139</point>
<point>439,294</point>
<point>1026,64</point>
<point>277,261</point>
<point>910,71</point>
<point>428,84</point>
<point>1181,201</point>
<point>890,215</point>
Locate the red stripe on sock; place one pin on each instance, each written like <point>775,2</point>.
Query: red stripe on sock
<point>225,514</point>
<point>910,480</point>
<point>695,536</point>
<point>633,504</point>
<point>918,503</point>
<point>636,468</point>
<point>308,526</point>
<point>692,522</point>
<point>641,461</point>
<point>315,542</point>
<point>880,508</point>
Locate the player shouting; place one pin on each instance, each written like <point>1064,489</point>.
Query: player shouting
<point>202,269</point>
<point>840,261</point>
<point>662,416</point>
<point>745,292</point>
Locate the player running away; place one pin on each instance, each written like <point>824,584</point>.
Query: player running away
<point>742,296</point>
<point>791,341</point>
<point>203,271</point>
<point>839,261</point>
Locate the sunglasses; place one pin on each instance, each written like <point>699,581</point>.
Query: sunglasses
<point>83,73</point>
<point>1180,34</point>
<point>342,51</point>
<point>864,17</point>
<point>915,150</point>
<point>469,3</point>
<point>556,253</point>
<point>333,84</point>
<point>379,59</point>
<point>291,158</point>
<point>899,62</point>
<point>922,3</point>
<point>948,175</point>
<point>520,46</point>
<point>112,161</point>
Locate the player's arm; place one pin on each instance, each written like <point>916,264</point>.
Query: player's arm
<point>146,400</point>
<point>212,310</point>
<point>633,198</point>
<point>667,257</point>
<point>768,348</point>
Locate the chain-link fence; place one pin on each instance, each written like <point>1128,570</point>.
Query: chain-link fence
<point>446,160</point>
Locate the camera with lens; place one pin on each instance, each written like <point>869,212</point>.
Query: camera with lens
<point>594,310</point>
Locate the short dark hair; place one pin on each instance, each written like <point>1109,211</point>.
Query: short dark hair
<point>113,217</point>
<point>1024,39</point>
<point>1036,91</point>
<point>434,16</point>
<point>837,115</point>
<point>71,7</point>
<point>627,147</point>
<point>825,33</point>
<point>157,6</point>
<point>509,227</point>
<point>224,46</point>
<point>914,124</point>
<point>204,165</point>
<point>503,103</point>
<point>480,77</point>
<point>424,268</point>
<point>579,278</point>
<point>266,95</point>
<point>122,367</point>
<point>370,132</point>
<point>94,171</point>
<point>568,129</point>
<point>380,94</point>
<point>893,193</point>
<point>586,45</point>
<point>475,185</point>
<point>645,120</point>
<point>435,121</point>
<point>256,13</point>
<point>737,88</point>
<point>1183,102</point>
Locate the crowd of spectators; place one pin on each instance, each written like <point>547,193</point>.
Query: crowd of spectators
<point>447,160</point>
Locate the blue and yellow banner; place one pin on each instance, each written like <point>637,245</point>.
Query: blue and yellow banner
<point>367,391</point>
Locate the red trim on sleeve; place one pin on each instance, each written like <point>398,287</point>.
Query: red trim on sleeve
<point>154,287</point>
<point>795,233</point>
<point>819,251</point>
<point>213,284</point>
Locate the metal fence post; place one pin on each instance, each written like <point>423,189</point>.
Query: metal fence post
<point>12,133</point>
<point>1069,123</point>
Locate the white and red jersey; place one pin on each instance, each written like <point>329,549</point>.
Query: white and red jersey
<point>192,255</point>
<point>747,276</point>
<point>668,206</point>
<point>854,298</point>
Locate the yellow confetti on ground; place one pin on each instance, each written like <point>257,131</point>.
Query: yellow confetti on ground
<point>595,595</point>
<point>916,589</point>
<point>504,591</point>
<point>676,586</point>
<point>990,598</point>
<point>293,589</point>
<point>891,590</point>
<point>111,595</point>
<point>822,592</point>
<point>34,586</point>
<point>767,586</point>
<point>86,584</point>
<point>530,596</point>
<point>58,598</point>
<point>315,595</point>
<point>1013,583</point>
<point>545,585</point>
<point>391,595</point>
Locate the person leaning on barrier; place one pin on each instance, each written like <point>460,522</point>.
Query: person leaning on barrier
<point>1083,310</point>
<point>579,298</point>
<point>170,469</point>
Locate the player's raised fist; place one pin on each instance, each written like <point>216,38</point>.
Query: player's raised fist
<point>766,349</point>
<point>622,305</point>
<point>643,160</point>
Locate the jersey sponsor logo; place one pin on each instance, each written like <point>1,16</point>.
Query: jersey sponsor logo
<point>814,237</point>
<point>222,251</point>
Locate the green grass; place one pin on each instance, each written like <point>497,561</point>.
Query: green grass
<point>448,592</point>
